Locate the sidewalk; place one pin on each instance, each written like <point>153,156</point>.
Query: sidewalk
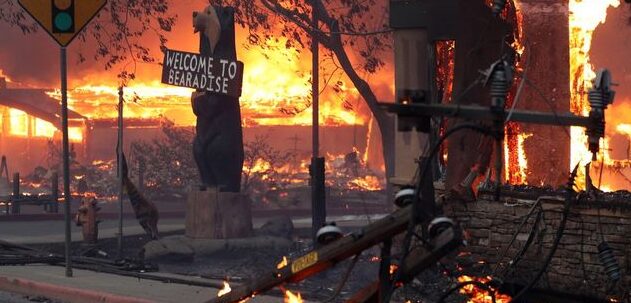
<point>39,232</point>
<point>87,287</point>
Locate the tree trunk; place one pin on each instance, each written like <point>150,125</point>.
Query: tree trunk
<point>333,42</point>
<point>384,120</point>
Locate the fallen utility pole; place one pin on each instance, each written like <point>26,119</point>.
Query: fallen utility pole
<point>350,245</point>
<point>418,260</point>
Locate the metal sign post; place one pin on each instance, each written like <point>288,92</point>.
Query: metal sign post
<point>63,20</point>
<point>318,204</point>
<point>66,156</point>
<point>119,152</point>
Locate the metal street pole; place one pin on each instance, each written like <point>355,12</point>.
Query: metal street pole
<point>318,205</point>
<point>315,86</point>
<point>66,156</point>
<point>120,171</point>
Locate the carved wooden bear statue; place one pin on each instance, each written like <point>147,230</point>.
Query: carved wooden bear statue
<point>218,144</point>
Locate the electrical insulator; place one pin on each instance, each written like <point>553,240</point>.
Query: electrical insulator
<point>498,6</point>
<point>607,258</point>
<point>600,97</point>
<point>404,197</point>
<point>328,233</point>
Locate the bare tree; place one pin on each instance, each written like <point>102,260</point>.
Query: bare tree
<point>348,28</point>
<point>169,164</point>
<point>265,169</point>
<point>118,32</point>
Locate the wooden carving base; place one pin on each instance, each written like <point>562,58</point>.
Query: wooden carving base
<point>211,214</point>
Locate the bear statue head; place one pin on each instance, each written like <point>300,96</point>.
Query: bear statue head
<point>208,24</point>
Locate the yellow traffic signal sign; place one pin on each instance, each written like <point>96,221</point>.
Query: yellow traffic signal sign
<point>63,19</point>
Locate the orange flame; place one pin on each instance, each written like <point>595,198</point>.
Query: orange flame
<point>585,16</point>
<point>290,297</point>
<point>367,183</point>
<point>477,295</point>
<point>284,262</point>
<point>21,124</point>
<point>226,289</point>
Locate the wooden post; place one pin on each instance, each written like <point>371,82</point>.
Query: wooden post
<point>4,173</point>
<point>55,193</point>
<point>141,175</point>
<point>15,205</point>
<point>474,52</point>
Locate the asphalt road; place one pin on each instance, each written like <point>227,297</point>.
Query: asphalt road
<point>6,297</point>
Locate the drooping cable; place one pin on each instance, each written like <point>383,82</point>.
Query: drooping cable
<point>570,197</point>
<point>417,208</point>
<point>342,282</point>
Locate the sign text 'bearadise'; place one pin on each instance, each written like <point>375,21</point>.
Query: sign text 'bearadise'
<point>217,75</point>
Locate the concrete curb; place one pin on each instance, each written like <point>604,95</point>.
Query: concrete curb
<point>182,248</point>
<point>63,293</point>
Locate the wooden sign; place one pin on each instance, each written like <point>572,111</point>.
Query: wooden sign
<point>217,75</point>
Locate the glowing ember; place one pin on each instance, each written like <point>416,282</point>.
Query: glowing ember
<point>585,16</point>
<point>368,183</point>
<point>284,262</point>
<point>290,297</point>
<point>6,78</point>
<point>226,289</point>
<point>477,295</point>
<point>393,268</point>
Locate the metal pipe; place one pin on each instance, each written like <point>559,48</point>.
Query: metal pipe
<point>15,203</point>
<point>315,84</point>
<point>318,207</point>
<point>54,181</point>
<point>120,171</point>
<point>66,158</point>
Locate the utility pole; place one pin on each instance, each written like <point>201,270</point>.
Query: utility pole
<point>318,204</point>
<point>295,163</point>
<point>119,152</point>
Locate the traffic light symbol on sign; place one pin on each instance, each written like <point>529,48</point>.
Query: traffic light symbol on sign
<point>63,14</point>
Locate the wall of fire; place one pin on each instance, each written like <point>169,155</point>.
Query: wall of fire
<point>25,140</point>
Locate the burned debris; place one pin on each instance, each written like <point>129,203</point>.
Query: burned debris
<point>492,170</point>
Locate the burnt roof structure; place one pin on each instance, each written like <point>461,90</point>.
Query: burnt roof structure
<point>37,103</point>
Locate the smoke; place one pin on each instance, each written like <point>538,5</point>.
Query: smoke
<point>32,60</point>
<point>610,49</point>
<point>28,59</point>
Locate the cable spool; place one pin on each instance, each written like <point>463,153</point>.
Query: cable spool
<point>607,258</point>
